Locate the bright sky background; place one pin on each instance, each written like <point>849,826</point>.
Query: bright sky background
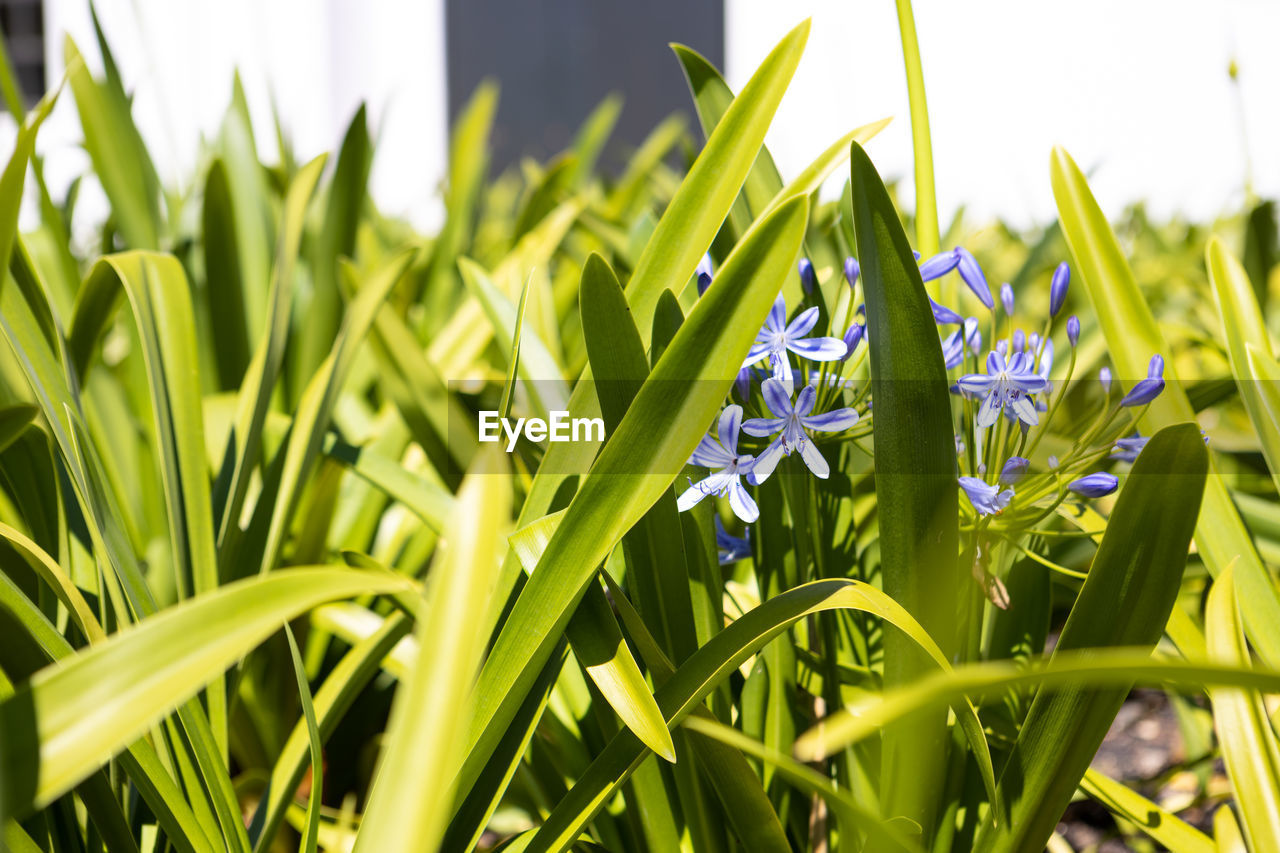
<point>1137,90</point>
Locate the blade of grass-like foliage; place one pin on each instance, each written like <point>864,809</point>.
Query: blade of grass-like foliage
<point>424,742</point>
<point>1163,826</point>
<point>461,343</point>
<point>428,500</point>
<point>885,836</point>
<point>915,483</point>
<point>15,173</point>
<point>927,238</point>
<point>1262,372</point>
<point>71,717</point>
<point>1093,668</point>
<point>684,691</point>
<point>419,391</point>
<point>509,387</point>
<point>1132,337</point>
<point>694,216</point>
<point>638,464</point>
<point>592,136</point>
<point>160,297</point>
<point>53,575</point>
<point>332,701</point>
<point>468,162</point>
<point>306,436</point>
<point>14,421</point>
<point>711,98</point>
<point>1244,329</point>
<point>1226,831</point>
<point>250,214</point>
<point>120,159</point>
<point>224,279</point>
<point>1240,719</point>
<point>245,442</point>
<point>319,320</point>
<point>763,187</point>
<point>543,375</point>
<point>309,837</point>
<point>628,193</point>
<point>1125,601</point>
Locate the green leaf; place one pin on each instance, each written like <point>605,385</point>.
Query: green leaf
<point>1125,601</point>
<point>15,173</point>
<point>424,743</point>
<point>245,441</point>
<point>1133,337</point>
<point>638,463</point>
<point>71,717</point>
<point>685,690</point>
<point>1239,717</point>
<point>318,322</point>
<point>309,837</point>
<point>927,238</point>
<point>915,482</point>
<point>14,421</point>
<point>1244,329</point>
<point>120,159</point>
<point>1163,826</point>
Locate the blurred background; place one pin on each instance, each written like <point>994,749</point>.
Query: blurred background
<point>1138,91</point>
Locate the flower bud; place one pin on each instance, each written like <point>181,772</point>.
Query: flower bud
<point>971,274</point>
<point>1014,470</point>
<point>939,265</point>
<point>1073,329</point>
<point>1094,485</point>
<point>852,338</point>
<point>851,271</point>
<point>1006,298</point>
<point>808,279</point>
<point>1148,389</point>
<point>1058,288</point>
<point>1104,376</point>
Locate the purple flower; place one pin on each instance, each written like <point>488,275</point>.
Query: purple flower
<point>1147,389</point>
<point>851,271</point>
<point>971,274</point>
<point>1104,376</point>
<point>790,423</point>
<point>1127,449</point>
<point>808,278</point>
<point>730,548</point>
<point>1095,485</point>
<point>1058,288</point>
<point>986,499</point>
<point>852,338</point>
<point>1019,340</point>
<point>778,336</point>
<point>1006,298</point>
<point>721,455</point>
<point>1073,329</point>
<point>939,265</point>
<point>1005,384</point>
<point>704,273</point>
<point>1014,470</point>
<point>942,315</point>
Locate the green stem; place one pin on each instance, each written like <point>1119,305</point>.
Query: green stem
<point>927,234</point>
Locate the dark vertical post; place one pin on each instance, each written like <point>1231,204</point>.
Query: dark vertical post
<point>556,59</point>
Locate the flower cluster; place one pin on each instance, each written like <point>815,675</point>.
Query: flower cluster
<point>1005,389</point>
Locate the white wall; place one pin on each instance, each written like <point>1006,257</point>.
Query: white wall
<point>1136,88</point>
<point>317,58</point>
